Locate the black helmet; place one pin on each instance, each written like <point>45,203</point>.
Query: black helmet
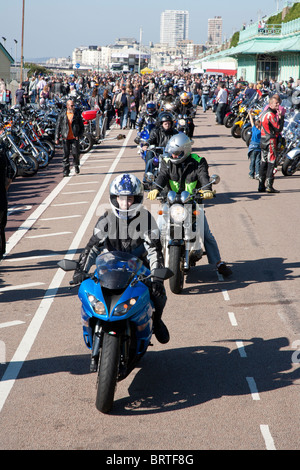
<point>166,116</point>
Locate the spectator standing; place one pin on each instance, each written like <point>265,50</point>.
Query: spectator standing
<point>222,99</point>
<point>205,94</point>
<point>272,123</point>
<point>254,150</point>
<point>40,86</point>
<point>32,89</point>
<point>20,96</point>
<point>70,127</point>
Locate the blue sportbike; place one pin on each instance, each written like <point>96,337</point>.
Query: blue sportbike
<point>116,315</point>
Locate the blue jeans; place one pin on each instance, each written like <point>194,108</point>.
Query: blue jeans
<point>196,99</point>
<point>210,245</point>
<point>255,157</point>
<point>204,99</point>
<point>124,117</point>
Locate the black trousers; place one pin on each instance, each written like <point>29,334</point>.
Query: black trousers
<point>3,222</point>
<point>70,146</point>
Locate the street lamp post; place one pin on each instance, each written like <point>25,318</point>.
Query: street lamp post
<point>16,42</point>
<point>22,43</point>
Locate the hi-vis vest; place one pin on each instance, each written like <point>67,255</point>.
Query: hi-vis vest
<point>175,185</point>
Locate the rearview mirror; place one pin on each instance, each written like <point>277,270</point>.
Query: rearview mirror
<point>67,264</point>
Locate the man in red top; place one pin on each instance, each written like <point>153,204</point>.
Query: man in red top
<point>271,126</point>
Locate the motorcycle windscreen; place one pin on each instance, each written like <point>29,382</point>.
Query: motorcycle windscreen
<point>116,269</point>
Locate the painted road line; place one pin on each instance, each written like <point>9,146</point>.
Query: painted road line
<point>253,388</point>
<point>12,371</point>
<point>225,294</point>
<point>232,319</point>
<point>64,217</point>
<point>88,167</point>
<point>11,323</point>
<point>241,348</point>
<point>30,258</point>
<point>21,286</point>
<point>264,428</point>
<point>16,237</point>
<point>87,182</point>
<point>48,235</point>
<point>81,192</point>
<point>70,204</point>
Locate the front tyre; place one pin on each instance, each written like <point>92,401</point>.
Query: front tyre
<point>176,264</point>
<point>86,143</point>
<point>236,131</point>
<point>108,372</point>
<point>289,167</point>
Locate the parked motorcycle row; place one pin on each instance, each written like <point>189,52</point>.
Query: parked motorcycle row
<point>237,119</point>
<point>28,133</point>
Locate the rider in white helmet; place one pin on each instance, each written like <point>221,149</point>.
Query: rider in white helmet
<point>184,170</point>
<point>128,227</point>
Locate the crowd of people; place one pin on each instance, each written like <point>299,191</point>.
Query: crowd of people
<point>125,98</point>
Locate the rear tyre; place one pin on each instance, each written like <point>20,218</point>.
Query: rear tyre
<point>108,372</point>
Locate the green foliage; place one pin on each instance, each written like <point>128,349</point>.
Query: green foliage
<point>235,39</point>
<point>293,13</point>
<point>36,69</point>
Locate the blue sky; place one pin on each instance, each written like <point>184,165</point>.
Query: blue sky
<point>56,27</point>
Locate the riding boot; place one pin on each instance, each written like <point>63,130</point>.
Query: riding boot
<point>269,188</point>
<point>270,178</point>
<point>160,330</point>
<point>262,177</point>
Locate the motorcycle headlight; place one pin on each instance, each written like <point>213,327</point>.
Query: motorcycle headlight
<point>124,307</point>
<point>181,122</point>
<point>97,305</point>
<point>178,213</point>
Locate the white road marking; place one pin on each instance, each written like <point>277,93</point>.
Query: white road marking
<point>92,167</point>
<point>81,192</point>
<point>48,235</point>
<point>264,428</point>
<point>225,294</point>
<point>29,258</point>
<point>16,237</point>
<point>11,323</point>
<point>18,209</point>
<point>241,348</point>
<point>64,217</point>
<point>87,182</point>
<point>253,388</point>
<point>70,204</point>
<point>232,319</point>
<point>12,371</point>
<point>21,286</point>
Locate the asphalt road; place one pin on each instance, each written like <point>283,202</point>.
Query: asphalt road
<point>229,377</point>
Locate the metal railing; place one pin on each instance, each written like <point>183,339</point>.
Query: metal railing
<point>283,29</point>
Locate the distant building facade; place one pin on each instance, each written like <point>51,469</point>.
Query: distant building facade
<point>174,26</point>
<point>215,26</point>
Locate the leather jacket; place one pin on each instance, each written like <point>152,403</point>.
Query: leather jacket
<point>138,235</point>
<point>62,125</point>
<point>159,137</point>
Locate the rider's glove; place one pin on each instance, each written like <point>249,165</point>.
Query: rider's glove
<point>79,277</point>
<point>157,288</point>
<point>207,194</point>
<point>153,194</point>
